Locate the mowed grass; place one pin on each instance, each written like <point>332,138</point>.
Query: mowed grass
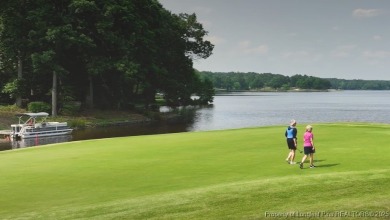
<point>230,174</point>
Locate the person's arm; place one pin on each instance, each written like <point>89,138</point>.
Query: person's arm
<point>295,132</point>
<point>312,140</point>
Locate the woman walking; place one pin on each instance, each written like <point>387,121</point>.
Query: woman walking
<point>308,146</point>
<point>291,135</point>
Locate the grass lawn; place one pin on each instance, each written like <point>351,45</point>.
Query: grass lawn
<point>230,174</point>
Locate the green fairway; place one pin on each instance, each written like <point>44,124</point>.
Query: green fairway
<point>231,174</point>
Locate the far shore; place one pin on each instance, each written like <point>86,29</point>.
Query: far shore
<point>279,90</point>
<point>98,118</point>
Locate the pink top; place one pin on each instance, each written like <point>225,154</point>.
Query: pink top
<point>307,137</point>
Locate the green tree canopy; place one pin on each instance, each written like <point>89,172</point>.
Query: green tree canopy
<point>103,53</point>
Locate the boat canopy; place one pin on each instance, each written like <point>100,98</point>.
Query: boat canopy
<point>39,114</point>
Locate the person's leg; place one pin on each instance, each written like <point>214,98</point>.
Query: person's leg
<point>312,160</point>
<point>290,151</point>
<point>292,156</point>
<point>289,155</point>
<point>303,160</point>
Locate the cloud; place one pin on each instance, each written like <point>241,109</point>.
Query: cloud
<point>292,34</point>
<point>206,24</point>
<point>246,48</point>
<point>201,9</point>
<point>377,37</point>
<point>215,40</point>
<point>301,56</point>
<point>366,13</point>
<point>295,54</point>
<point>343,51</point>
<point>336,28</point>
<point>378,54</point>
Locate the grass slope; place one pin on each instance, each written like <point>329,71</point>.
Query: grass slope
<point>230,174</point>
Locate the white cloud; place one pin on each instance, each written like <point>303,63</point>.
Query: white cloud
<point>336,28</point>
<point>293,34</point>
<point>373,62</point>
<point>301,56</point>
<point>205,10</point>
<point>215,40</point>
<point>377,37</point>
<point>262,49</point>
<point>206,24</point>
<point>244,44</point>
<point>246,48</point>
<point>296,54</point>
<point>365,13</point>
<point>343,51</point>
<point>378,54</point>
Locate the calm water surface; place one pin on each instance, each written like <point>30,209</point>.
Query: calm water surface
<point>251,109</point>
<point>248,109</point>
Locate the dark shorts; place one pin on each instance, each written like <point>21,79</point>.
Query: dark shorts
<point>290,144</point>
<point>308,150</point>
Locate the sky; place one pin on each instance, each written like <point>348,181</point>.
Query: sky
<point>344,39</point>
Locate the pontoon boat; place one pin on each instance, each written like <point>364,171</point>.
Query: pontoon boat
<point>32,125</point>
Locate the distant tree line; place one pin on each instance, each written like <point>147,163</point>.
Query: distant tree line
<point>358,84</point>
<point>257,81</point>
<point>105,54</point>
<point>234,81</point>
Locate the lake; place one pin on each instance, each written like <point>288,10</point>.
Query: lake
<point>253,109</point>
<point>250,109</point>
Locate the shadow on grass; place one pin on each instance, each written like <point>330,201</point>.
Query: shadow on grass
<point>315,161</point>
<point>322,165</point>
<point>327,165</point>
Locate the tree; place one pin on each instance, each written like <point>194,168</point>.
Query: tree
<point>258,81</point>
<point>180,40</point>
<point>278,81</point>
<point>14,46</point>
<point>118,51</point>
<point>205,92</point>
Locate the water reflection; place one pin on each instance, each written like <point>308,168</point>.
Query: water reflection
<point>173,123</point>
<point>132,130</point>
<point>95,133</point>
<point>251,109</point>
<point>30,142</point>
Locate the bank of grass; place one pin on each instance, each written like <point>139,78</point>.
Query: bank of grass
<point>87,118</point>
<point>231,174</point>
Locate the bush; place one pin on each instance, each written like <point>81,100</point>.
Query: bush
<point>38,107</point>
<point>77,123</point>
<point>9,108</point>
<point>153,115</point>
<point>70,108</point>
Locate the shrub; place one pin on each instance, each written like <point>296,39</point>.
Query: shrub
<point>77,123</point>
<point>38,107</point>
<point>70,108</point>
<point>9,108</point>
<point>153,115</point>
